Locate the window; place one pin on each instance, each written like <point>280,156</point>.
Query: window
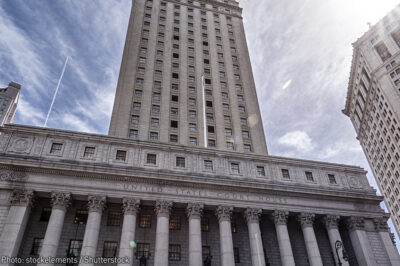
<point>81,217</point>
<point>209,103</point>
<point>260,171</point>
<point>228,131</point>
<point>151,158</point>
<point>235,168</point>
<point>155,108</point>
<point>133,134</point>
<point>56,148</point>
<point>153,136</point>
<point>210,129</point>
<point>74,249</point>
<point>192,114</point>
<point>236,255</point>
<point>192,101</point>
<point>238,87</point>
<point>285,173</point>
<point>174,87</point>
<point>206,253</point>
<point>192,127</point>
<point>243,121</point>
<point>225,107</point>
<point>245,134</point>
<point>174,111</point>
<point>247,147</point>
<point>242,109</point>
<point>120,155</point>
<point>89,152</point>
<point>211,143</point>
<point>45,215</point>
<point>173,138</point>
<point>208,92</point>
<point>205,225</point>
<point>142,60</point>
<point>174,252</point>
<point>136,106</point>
<point>139,82</point>
<point>229,145</point>
<point>114,219</point>
<point>156,96</point>
<point>155,122</point>
<point>175,223</point>
<point>142,250</point>
<point>157,85</point>
<point>174,124</point>
<point>240,98</point>
<point>383,51</point>
<point>309,176</point>
<point>193,141</point>
<point>227,119</point>
<point>175,75</point>
<point>332,179</point>
<point>135,119</point>
<point>145,221</point>
<point>233,226</point>
<point>210,116</point>
<point>208,165</point>
<point>180,162</point>
<point>110,249</point>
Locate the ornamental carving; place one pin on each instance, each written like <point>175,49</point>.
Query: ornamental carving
<point>306,219</point>
<point>355,223</point>
<point>194,210</point>
<point>280,217</point>
<point>130,206</point>
<point>224,213</point>
<point>331,221</point>
<point>96,203</point>
<point>393,238</point>
<point>381,224</point>
<point>252,215</point>
<point>22,197</point>
<point>60,200</point>
<point>6,175</point>
<point>21,144</point>
<point>163,208</point>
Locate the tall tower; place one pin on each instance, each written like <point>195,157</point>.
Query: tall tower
<point>186,77</point>
<point>373,105</point>
<point>8,102</point>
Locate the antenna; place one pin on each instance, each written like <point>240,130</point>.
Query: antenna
<point>55,93</point>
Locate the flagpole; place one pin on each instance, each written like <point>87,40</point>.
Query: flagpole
<point>203,85</point>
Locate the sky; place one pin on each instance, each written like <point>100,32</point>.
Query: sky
<point>301,53</point>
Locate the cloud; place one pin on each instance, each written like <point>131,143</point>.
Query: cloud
<point>298,140</point>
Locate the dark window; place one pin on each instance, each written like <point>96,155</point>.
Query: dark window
<point>208,81</point>
<point>36,246</point>
<point>236,255</point>
<point>235,168</point>
<point>180,162</point>
<point>175,55</point>
<point>142,250</point>
<point>206,252</point>
<point>173,138</point>
<point>110,249</point>
<point>120,156</point>
<point>210,129</point>
<point>89,152</point>
<point>205,225</point>
<point>260,171</point>
<point>45,215</point>
<point>209,103</point>
<point>81,217</point>
<point>332,179</point>
<point>174,98</point>
<point>145,221</point>
<point>211,143</point>
<point>175,223</point>
<point>151,158</point>
<point>208,165</point>
<point>285,174</point>
<point>114,219</point>
<point>174,124</point>
<point>56,148</point>
<point>174,252</point>
<point>133,133</point>
<point>175,75</point>
<point>206,61</point>
<point>383,51</point>
<point>193,141</point>
<point>247,147</point>
<point>233,227</point>
<point>309,176</point>
<point>74,248</point>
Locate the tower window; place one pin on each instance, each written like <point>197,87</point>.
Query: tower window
<point>174,124</point>
<point>285,173</point>
<point>89,152</point>
<point>151,159</point>
<point>235,168</point>
<point>260,171</point>
<point>309,176</point>
<point>208,165</point>
<point>56,148</point>
<point>173,138</point>
<point>210,129</point>
<point>174,98</point>
<point>332,179</point>
<point>180,162</point>
<point>120,155</point>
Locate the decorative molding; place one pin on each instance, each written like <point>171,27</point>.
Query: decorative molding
<point>96,203</point>
<point>224,213</point>
<point>252,215</point>
<point>280,217</point>
<point>6,175</point>
<point>194,210</point>
<point>22,197</point>
<point>163,208</point>
<point>306,219</point>
<point>130,206</point>
<point>331,221</point>
<point>381,224</point>
<point>355,223</point>
<point>393,238</point>
<point>60,200</point>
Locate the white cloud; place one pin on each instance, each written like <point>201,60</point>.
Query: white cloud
<point>298,140</point>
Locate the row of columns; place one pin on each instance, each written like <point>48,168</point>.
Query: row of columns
<point>22,200</point>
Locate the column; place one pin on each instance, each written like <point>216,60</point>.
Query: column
<point>194,211</point>
<point>384,232</point>
<point>163,209</point>
<point>331,225</point>
<point>256,245</point>
<point>130,208</point>
<point>307,225</point>
<point>224,214</point>
<point>96,206</point>
<point>285,248</point>
<point>360,242</point>
<point>60,202</point>
<point>10,241</point>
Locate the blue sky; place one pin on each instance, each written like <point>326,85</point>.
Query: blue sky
<point>300,50</point>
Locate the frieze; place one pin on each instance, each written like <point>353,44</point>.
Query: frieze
<point>7,175</point>
<point>21,144</point>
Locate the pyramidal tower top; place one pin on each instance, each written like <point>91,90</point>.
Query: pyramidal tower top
<point>186,77</point>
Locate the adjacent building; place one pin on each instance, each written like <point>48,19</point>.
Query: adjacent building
<point>160,190</point>
<point>373,105</point>
<point>8,102</point>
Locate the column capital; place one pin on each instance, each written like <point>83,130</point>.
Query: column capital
<point>381,224</point>
<point>224,213</point>
<point>194,210</point>
<point>96,203</point>
<point>163,208</point>
<point>306,219</point>
<point>280,217</point>
<point>22,197</point>
<point>331,221</point>
<point>60,200</point>
<point>252,215</point>
<point>130,206</point>
<point>355,223</point>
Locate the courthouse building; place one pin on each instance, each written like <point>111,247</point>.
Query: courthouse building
<point>184,176</point>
